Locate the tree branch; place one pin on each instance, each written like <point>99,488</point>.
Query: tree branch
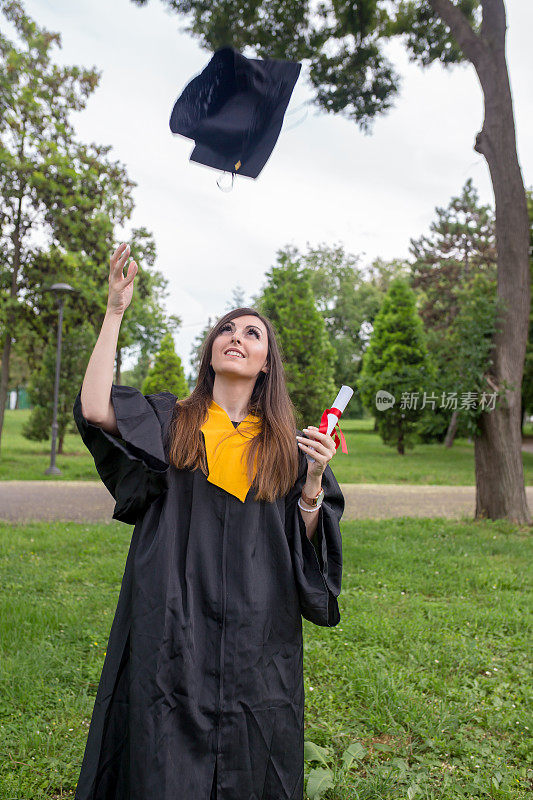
<point>470,43</point>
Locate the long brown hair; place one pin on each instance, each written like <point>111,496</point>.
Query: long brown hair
<point>275,446</point>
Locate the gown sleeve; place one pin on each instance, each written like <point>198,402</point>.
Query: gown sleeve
<point>133,467</point>
<point>317,567</point>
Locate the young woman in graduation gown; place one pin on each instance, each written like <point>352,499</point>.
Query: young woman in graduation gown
<point>236,538</point>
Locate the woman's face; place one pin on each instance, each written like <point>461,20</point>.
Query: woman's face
<point>246,335</point>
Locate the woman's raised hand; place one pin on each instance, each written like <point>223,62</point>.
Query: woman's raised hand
<point>120,287</point>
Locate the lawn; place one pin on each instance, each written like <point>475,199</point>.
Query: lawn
<point>427,677</point>
<point>368,460</point>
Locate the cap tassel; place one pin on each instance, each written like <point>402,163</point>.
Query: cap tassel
<point>237,166</point>
<point>226,188</point>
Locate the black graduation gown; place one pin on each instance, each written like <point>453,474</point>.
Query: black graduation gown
<point>204,664</point>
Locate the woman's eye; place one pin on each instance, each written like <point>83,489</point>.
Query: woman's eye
<point>227,327</point>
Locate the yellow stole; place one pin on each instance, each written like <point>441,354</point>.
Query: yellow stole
<point>226,460</point>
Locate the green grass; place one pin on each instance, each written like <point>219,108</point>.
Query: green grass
<point>428,671</point>
<point>368,460</point>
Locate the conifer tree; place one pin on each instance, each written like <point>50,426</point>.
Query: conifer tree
<point>460,248</point>
<point>461,244</point>
<point>166,374</point>
<point>288,302</point>
<point>397,361</point>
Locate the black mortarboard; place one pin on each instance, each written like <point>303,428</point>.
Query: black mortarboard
<point>234,110</point>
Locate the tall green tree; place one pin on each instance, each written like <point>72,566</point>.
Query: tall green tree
<point>471,340</point>
<point>49,182</point>
<point>76,197</point>
<point>397,362</point>
<point>348,296</point>
<point>344,46</point>
<point>166,374</point>
<point>461,247</point>
<point>288,302</point>
<point>461,244</point>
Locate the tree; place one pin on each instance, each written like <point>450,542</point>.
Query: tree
<point>527,385</point>
<point>76,197</point>
<point>238,299</point>
<point>396,361</point>
<point>138,373</point>
<point>146,323</point>
<point>351,75</point>
<point>348,297</point>
<point>287,300</point>
<point>167,374</point>
<point>48,181</point>
<point>41,385</point>
<point>462,244</point>
<point>471,340</point>
<point>461,247</point>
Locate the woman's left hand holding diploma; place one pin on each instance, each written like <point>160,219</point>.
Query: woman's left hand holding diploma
<point>320,446</point>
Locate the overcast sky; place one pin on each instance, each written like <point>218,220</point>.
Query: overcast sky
<point>325,182</point>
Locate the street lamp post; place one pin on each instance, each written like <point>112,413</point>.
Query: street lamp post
<point>60,289</point>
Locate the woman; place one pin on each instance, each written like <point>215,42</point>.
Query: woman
<point>236,537</point>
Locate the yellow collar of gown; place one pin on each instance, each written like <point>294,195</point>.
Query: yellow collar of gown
<point>226,460</point>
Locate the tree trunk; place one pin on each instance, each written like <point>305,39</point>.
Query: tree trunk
<point>4,379</point>
<point>118,367</point>
<point>452,429</point>
<point>500,488</point>
<point>401,449</point>
<point>10,317</point>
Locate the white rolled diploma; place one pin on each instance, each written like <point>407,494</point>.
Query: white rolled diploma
<point>341,401</point>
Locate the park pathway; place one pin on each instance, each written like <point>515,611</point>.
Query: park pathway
<point>89,501</point>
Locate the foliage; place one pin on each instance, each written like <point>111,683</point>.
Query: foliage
<point>137,374</point>
<point>471,339</point>
<point>167,373</point>
<point>326,776</point>
<point>49,183</point>
<point>41,385</point>
<point>348,298</point>
<point>461,245</point>
<point>456,259</point>
<point>145,323</point>
<point>287,300</point>
<point>396,361</point>
<point>74,196</point>
<point>343,43</point>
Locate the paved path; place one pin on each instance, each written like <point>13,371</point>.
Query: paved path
<point>89,501</point>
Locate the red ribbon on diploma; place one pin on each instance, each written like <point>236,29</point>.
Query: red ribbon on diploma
<point>323,428</point>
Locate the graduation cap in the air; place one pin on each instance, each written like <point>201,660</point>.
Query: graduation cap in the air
<point>234,110</point>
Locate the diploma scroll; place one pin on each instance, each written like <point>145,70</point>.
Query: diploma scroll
<point>331,416</point>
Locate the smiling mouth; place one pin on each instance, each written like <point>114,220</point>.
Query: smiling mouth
<point>233,354</point>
